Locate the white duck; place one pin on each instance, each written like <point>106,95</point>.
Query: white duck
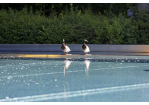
<point>85,48</point>
<point>65,48</point>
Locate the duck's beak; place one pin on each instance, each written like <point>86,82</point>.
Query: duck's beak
<point>86,40</point>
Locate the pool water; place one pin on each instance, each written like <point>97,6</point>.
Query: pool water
<point>74,80</point>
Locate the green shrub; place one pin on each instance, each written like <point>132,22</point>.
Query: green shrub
<point>26,27</point>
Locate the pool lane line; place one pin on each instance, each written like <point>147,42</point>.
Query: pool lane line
<point>75,93</point>
<point>65,72</point>
<point>39,74</point>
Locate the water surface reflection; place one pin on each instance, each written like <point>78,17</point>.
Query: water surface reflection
<point>67,64</point>
<point>85,65</point>
<point>85,80</point>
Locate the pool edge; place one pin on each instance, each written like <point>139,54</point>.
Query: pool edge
<point>75,56</point>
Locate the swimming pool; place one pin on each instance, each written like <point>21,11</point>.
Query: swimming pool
<point>74,80</point>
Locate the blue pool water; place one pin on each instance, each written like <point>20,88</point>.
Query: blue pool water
<point>74,80</point>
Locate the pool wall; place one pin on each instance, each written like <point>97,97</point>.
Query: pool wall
<point>105,49</point>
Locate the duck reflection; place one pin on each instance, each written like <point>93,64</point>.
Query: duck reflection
<point>87,64</point>
<point>67,64</point>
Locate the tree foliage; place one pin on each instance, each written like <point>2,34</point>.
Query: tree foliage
<point>49,8</point>
<point>30,25</point>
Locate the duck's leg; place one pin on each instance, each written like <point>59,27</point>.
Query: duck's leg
<point>67,53</point>
<point>64,53</point>
<point>85,53</point>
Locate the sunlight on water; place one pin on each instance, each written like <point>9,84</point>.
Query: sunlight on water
<point>21,78</point>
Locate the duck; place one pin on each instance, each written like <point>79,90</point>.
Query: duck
<point>65,48</point>
<point>85,48</point>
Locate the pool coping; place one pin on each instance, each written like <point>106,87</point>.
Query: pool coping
<point>97,51</point>
<point>104,49</point>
